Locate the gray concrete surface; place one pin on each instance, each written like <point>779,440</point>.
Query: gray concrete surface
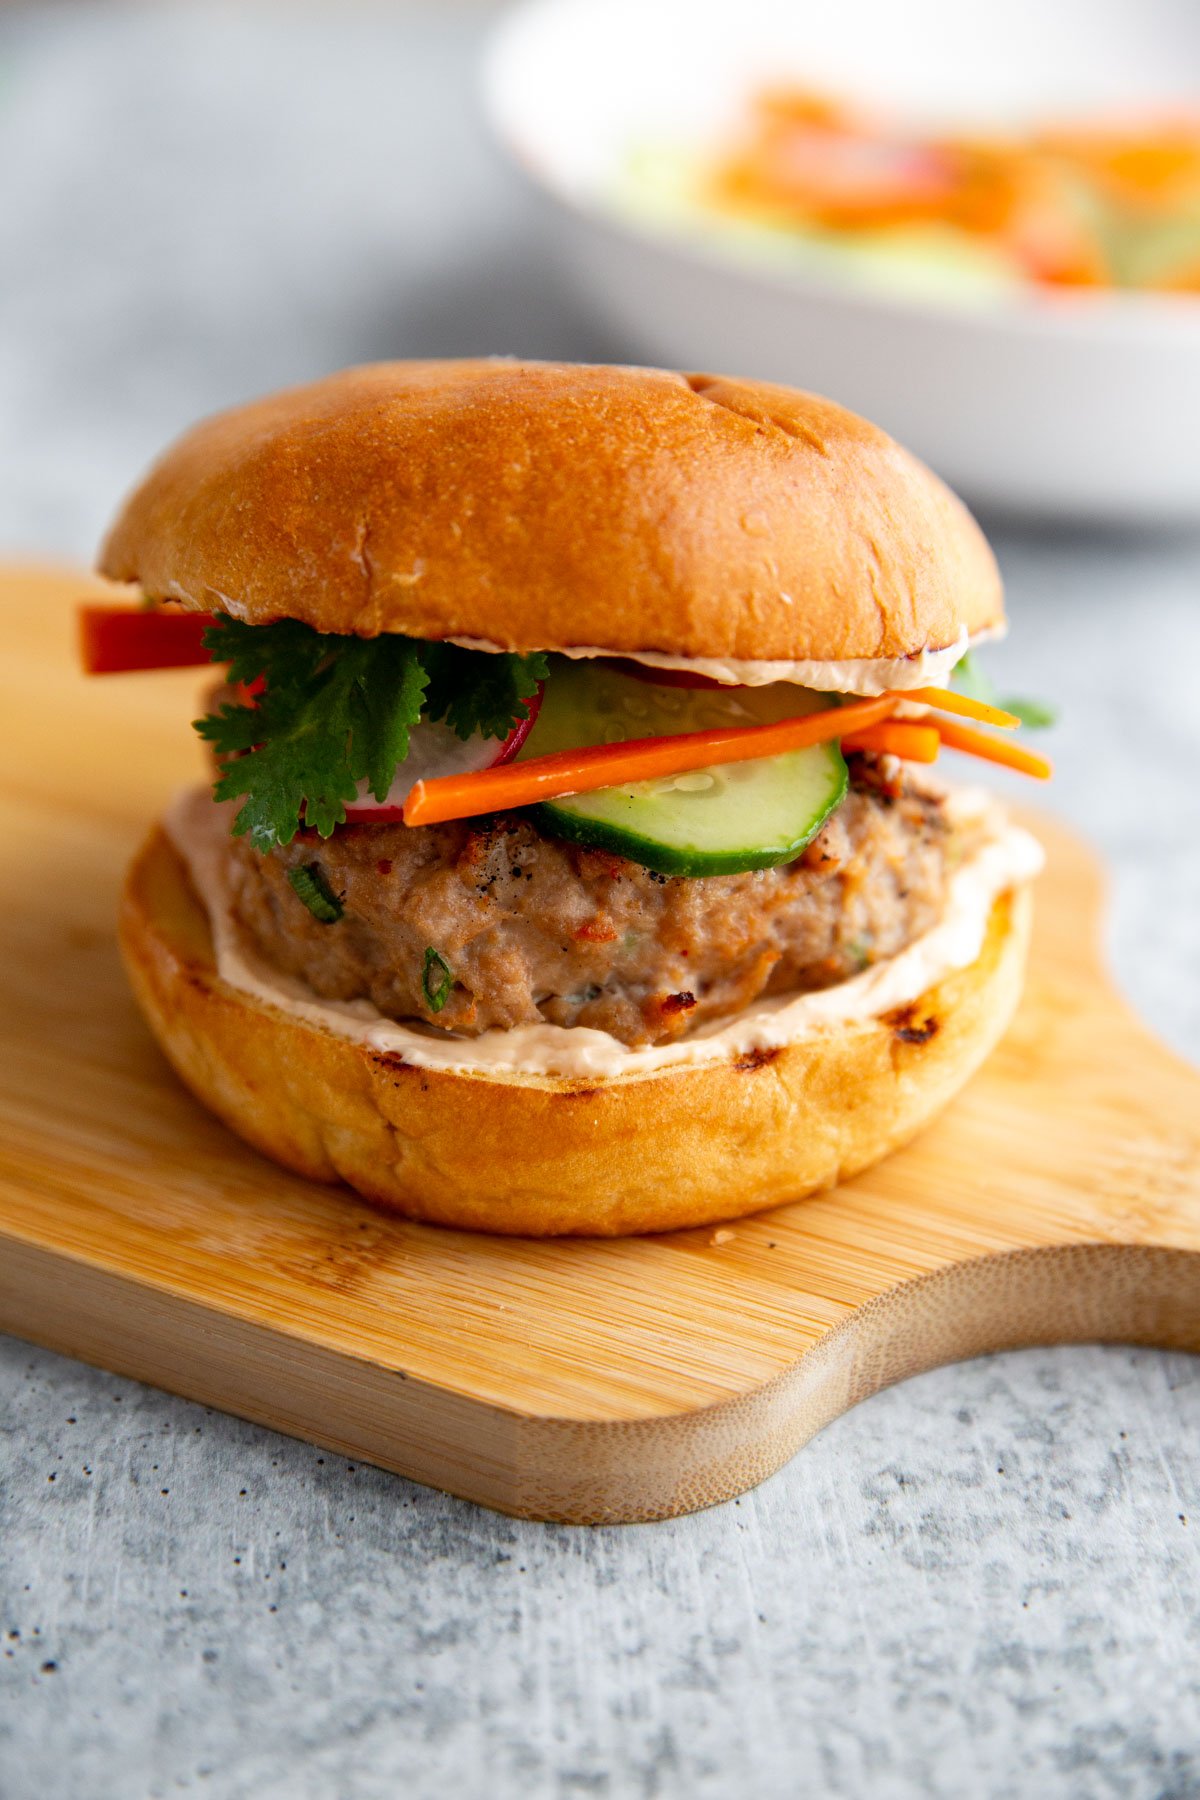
<point>984,1583</point>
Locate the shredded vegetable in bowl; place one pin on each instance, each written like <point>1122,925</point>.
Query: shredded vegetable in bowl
<point>1096,204</point>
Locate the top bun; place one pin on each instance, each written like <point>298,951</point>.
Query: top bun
<point>550,506</point>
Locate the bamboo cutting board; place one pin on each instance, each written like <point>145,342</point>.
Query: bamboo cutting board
<point>1058,1200</point>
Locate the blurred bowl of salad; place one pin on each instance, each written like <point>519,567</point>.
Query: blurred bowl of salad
<point>978,225</point>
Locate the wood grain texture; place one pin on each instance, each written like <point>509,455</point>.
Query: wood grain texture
<point>1059,1200</point>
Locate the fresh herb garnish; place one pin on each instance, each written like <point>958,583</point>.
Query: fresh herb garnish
<point>1037,715</point>
<point>437,978</point>
<point>334,711</point>
<point>311,886</point>
<point>972,680</point>
<point>478,691</point>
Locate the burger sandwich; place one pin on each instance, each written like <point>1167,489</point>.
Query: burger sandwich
<point>572,861</point>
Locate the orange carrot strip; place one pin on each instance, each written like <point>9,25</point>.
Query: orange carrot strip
<point>993,749</point>
<point>945,701</point>
<point>620,765</point>
<point>898,737</point>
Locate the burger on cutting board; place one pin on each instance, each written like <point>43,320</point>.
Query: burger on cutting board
<point>574,863</point>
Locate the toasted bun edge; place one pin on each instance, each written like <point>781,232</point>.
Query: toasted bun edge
<point>685,1146</point>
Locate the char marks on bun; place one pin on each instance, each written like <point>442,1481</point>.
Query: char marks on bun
<point>542,1157</point>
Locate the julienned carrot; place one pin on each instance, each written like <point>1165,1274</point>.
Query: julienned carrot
<point>637,759</point>
<point>946,701</point>
<point>993,749</point>
<point>897,737</point>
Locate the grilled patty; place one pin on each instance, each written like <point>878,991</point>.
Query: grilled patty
<point>530,928</point>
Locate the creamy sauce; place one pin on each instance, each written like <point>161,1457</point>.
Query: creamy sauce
<point>1003,857</point>
<point>858,675</point>
<point>866,675</point>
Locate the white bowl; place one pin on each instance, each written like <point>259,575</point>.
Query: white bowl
<point>1071,402</point>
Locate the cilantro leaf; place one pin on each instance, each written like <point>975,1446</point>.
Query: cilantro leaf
<point>297,771</point>
<point>391,696</point>
<point>330,712</point>
<point>289,652</point>
<point>231,729</point>
<point>481,691</point>
<point>335,711</point>
<point>971,679</point>
<point>1036,715</point>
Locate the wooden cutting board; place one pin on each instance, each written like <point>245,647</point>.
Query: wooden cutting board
<point>585,1381</point>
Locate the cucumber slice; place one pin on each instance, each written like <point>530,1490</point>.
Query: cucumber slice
<point>716,821</point>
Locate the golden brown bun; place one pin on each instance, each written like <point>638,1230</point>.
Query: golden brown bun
<point>548,505</point>
<point>540,1157</point>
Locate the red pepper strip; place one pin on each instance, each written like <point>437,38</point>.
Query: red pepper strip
<point>638,759</point>
<point>115,639</point>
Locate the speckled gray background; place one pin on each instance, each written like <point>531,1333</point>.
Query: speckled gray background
<point>985,1583</point>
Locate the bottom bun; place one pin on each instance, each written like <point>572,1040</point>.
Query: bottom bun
<point>530,1155</point>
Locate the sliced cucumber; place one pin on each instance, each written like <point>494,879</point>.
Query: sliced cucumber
<point>715,821</point>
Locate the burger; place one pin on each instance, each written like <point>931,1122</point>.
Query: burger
<point>571,861</point>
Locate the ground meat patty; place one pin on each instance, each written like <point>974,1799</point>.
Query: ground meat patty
<point>535,929</point>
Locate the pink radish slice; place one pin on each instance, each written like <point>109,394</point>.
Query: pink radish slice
<point>434,750</point>
<point>521,729</point>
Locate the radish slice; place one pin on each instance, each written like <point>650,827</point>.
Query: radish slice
<point>434,749</point>
<point>522,728</point>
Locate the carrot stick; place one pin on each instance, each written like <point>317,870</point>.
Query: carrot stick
<point>898,737</point>
<point>637,759</point>
<point>993,749</point>
<point>946,701</point>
